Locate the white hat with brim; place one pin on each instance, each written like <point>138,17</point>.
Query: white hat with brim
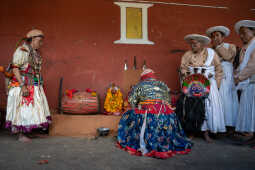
<point>221,29</point>
<point>244,23</point>
<point>201,38</point>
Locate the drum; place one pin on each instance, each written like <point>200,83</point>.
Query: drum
<point>80,103</point>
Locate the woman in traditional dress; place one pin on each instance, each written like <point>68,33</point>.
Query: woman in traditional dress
<point>201,58</point>
<point>245,78</point>
<point>151,128</point>
<point>27,106</point>
<point>228,92</point>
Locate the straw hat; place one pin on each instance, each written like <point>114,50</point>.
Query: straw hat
<point>201,38</point>
<point>221,29</point>
<point>244,23</point>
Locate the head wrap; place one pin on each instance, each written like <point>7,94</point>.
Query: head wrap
<point>148,73</point>
<point>35,33</point>
<point>31,34</point>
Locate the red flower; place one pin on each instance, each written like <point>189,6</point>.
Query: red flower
<point>70,93</point>
<point>90,90</point>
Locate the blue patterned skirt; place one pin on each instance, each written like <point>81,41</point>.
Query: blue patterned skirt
<point>152,134</point>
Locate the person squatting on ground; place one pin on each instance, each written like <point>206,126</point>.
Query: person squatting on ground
<point>151,128</point>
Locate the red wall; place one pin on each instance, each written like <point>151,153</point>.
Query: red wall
<point>80,35</point>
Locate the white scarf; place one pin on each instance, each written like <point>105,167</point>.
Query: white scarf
<point>243,84</point>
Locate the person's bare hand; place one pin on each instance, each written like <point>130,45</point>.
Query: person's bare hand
<point>215,43</point>
<point>236,80</point>
<point>25,91</point>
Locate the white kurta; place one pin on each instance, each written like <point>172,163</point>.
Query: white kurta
<point>214,109</point>
<point>22,116</point>
<point>228,93</point>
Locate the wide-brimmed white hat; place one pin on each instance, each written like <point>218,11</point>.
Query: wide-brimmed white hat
<point>221,29</point>
<point>201,38</point>
<point>244,23</point>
